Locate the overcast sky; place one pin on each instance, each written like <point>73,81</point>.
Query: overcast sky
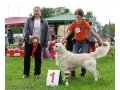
<point>103,9</point>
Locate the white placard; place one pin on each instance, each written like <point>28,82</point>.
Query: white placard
<point>7,54</point>
<point>16,54</point>
<point>53,78</point>
<point>77,30</point>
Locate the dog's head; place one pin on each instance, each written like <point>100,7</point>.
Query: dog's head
<point>59,48</point>
<point>106,44</point>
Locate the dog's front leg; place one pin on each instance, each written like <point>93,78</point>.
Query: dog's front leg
<point>67,73</point>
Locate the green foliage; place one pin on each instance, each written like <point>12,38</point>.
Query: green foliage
<point>112,50</point>
<point>90,17</point>
<point>61,10</point>
<point>49,12</point>
<point>108,30</point>
<point>17,29</point>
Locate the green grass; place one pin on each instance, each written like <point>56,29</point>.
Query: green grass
<point>14,72</point>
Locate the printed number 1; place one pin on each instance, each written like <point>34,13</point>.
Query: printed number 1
<point>52,74</point>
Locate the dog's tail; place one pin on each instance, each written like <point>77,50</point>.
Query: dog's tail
<point>101,51</point>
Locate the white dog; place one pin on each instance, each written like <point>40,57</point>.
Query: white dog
<point>68,61</point>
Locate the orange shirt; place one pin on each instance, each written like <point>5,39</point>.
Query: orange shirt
<point>80,29</point>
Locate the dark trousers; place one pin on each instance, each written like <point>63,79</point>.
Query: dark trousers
<point>37,56</point>
<point>10,41</point>
<point>91,47</point>
<point>83,70</point>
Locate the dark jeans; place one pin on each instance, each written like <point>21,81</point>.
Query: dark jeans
<point>91,47</point>
<point>83,45</point>
<point>37,56</point>
<point>10,41</point>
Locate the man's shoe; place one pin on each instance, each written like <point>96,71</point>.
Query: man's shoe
<point>25,76</point>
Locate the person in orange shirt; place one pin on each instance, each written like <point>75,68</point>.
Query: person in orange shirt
<point>80,27</point>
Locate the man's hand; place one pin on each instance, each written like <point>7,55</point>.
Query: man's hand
<point>103,44</point>
<point>30,37</point>
<point>44,47</point>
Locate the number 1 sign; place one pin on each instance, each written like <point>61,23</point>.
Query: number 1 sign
<point>53,78</point>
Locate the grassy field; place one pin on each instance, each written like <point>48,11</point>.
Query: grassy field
<point>14,72</point>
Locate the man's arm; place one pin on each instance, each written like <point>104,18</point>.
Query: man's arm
<point>96,35</point>
<point>46,35</point>
<point>26,29</point>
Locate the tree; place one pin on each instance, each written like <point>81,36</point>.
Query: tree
<point>108,30</point>
<point>49,12</point>
<point>16,29</point>
<point>90,17</point>
<point>61,10</point>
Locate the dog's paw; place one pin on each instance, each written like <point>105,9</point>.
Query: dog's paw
<point>66,83</point>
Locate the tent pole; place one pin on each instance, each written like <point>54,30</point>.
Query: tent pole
<point>64,26</point>
<point>18,32</point>
<point>56,29</point>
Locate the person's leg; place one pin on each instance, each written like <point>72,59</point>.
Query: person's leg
<point>48,53</point>
<point>93,46</point>
<point>9,42</point>
<point>76,48</point>
<point>84,48</point>
<point>83,72</point>
<point>42,54</point>
<point>38,61</point>
<point>73,73</point>
<point>28,53</point>
<point>89,47</point>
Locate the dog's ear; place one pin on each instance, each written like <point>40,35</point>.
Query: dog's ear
<point>107,40</point>
<point>62,47</point>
